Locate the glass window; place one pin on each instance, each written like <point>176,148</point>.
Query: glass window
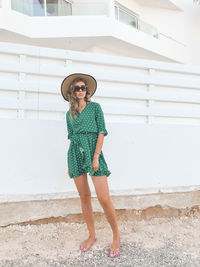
<point>58,8</point>
<point>127,18</point>
<point>38,8</point>
<point>42,7</point>
<point>116,13</point>
<point>22,6</point>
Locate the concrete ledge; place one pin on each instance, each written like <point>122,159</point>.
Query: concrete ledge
<point>144,206</point>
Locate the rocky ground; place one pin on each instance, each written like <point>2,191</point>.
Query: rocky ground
<point>171,241</point>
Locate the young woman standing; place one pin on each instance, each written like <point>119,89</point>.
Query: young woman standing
<point>86,131</point>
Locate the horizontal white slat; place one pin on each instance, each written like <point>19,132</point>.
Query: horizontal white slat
<point>30,86</point>
<point>54,88</point>
<point>116,76</point>
<point>11,48</point>
<point>155,96</point>
<point>114,109</point>
<point>32,105</point>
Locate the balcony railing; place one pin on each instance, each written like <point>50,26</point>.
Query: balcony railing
<point>65,8</point>
<point>59,8</point>
<point>42,7</point>
<point>132,20</point>
<point>147,28</point>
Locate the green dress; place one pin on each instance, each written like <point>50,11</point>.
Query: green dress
<point>83,132</point>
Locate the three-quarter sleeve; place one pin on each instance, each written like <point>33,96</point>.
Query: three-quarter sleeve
<point>69,127</point>
<point>99,116</point>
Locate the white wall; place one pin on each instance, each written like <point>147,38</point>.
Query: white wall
<point>152,113</point>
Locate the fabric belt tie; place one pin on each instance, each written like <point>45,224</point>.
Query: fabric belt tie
<point>77,141</point>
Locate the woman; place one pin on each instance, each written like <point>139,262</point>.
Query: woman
<point>86,130</point>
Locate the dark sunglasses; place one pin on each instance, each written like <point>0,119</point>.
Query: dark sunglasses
<point>77,88</point>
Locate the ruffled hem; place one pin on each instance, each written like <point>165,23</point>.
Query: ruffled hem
<point>92,173</point>
<point>88,169</point>
<point>106,173</point>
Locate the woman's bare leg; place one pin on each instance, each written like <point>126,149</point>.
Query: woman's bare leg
<point>102,191</point>
<point>82,186</point>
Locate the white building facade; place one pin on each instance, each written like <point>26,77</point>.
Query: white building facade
<point>165,30</point>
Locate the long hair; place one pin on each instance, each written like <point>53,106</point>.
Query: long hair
<point>73,101</point>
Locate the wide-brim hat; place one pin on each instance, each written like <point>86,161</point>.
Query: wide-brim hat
<point>91,83</point>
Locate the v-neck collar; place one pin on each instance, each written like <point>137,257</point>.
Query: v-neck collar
<point>84,108</point>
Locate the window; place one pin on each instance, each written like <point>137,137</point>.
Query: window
<point>58,8</point>
<point>43,7</point>
<point>125,17</point>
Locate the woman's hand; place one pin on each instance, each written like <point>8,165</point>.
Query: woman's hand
<point>68,172</point>
<point>95,163</point>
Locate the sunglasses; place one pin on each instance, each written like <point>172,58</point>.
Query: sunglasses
<point>77,88</point>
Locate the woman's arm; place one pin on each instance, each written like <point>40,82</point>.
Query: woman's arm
<point>69,127</point>
<point>99,144</point>
<point>102,132</point>
<point>69,145</point>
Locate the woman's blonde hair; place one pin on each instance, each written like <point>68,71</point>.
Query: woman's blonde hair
<point>73,101</point>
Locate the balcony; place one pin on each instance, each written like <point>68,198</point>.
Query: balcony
<point>132,20</point>
<point>88,26</point>
<point>66,8</point>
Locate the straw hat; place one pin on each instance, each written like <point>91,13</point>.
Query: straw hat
<point>91,83</point>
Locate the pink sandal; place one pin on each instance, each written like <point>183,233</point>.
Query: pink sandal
<point>117,254</point>
<point>82,249</point>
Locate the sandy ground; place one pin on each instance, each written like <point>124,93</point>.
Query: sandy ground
<point>59,242</point>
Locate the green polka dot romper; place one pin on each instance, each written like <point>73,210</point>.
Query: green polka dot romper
<point>83,132</point>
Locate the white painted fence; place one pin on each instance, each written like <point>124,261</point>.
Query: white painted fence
<point>152,113</point>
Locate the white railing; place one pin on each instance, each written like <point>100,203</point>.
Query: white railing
<point>134,21</point>
<point>173,41</point>
<point>147,28</point>
<point>59,8</point>
<point>37,8</point>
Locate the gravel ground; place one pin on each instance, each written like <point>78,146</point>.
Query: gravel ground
<point>171,241</point>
